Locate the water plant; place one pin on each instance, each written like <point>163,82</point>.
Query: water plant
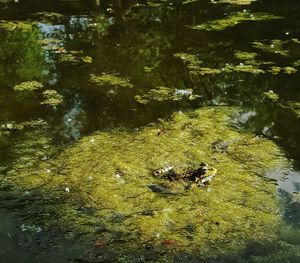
<point>166,94</point>
<point>103,186</point>
<point>234,19</point>
<point>52,98</point>
<point>111,80</point>
<point>28,86</point>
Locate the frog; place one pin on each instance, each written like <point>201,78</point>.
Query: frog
<point>195,177</point>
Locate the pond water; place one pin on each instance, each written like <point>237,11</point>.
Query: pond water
<point>86,90</point>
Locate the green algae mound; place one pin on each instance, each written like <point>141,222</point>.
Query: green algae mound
<point>103,185</point>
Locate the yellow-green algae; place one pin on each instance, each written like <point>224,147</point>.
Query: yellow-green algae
<point>233,2</point>
<point>16,25</point>
<point>243,55</point>
<point>101,185</point>
<point>271,95</point>
<point>273,46</point>
<point>72,57</point>
<point>52,98</point>
<point>166,94</point>
<point>233,20</point>
<point>28,86</point>
<point>111,80</point>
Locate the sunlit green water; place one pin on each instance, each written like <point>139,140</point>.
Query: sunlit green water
<point>118,67</point>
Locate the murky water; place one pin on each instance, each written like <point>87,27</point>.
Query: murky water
<point>120,66</point>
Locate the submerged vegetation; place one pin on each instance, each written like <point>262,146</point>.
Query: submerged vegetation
<point>102,186</point>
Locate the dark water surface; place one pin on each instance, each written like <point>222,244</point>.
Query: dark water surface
<point>137,41</point>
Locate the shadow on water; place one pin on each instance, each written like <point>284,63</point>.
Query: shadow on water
<point>159,63</point>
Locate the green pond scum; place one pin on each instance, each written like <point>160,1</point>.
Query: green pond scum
<point>103,186</point>
<point>233,20</point>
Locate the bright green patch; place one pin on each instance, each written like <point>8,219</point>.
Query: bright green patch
<point>233,20</point>
<point>244,68</point>
<point>233,2</point>
<point>52,98</point>
<point>28,86</point>
<point>297,63</point>
<point>271,95</point>
<point>16,25</point>
<point>166,94</point>
<point>111,80</point>
<point>242,55</point>
<point>289,70</point>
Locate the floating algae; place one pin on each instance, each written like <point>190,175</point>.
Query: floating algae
<point>233,20</point>
<point>28,86</point>
<point>52,98</point>
<point>73,57</point>
<point>246,56</point>
<point>102,186</point>
<point>16,25</point>
<point>111,80</point>
<point>233,2</point>
<point>166,94</point>
<point>273,46</point>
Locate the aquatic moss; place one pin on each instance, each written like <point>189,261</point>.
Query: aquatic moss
<point>192,61</point>
<point>233,20</point>
<point>243,68</point>
<point>233,2</point>
<point>47,17</point>
<point>72,57</point>
<point>112,80</point>
<point>207,71</point>
<point>16,25</point>
<point>242,55</point>
<point>166,94</point>
<point>289,70</point>
<point>271,95</point>
<point>297,63</point>
<point>273,46</point>
<point>52,98</point>
<point>103,184</point>
<point>28,86</point>
<point>294,106</point>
